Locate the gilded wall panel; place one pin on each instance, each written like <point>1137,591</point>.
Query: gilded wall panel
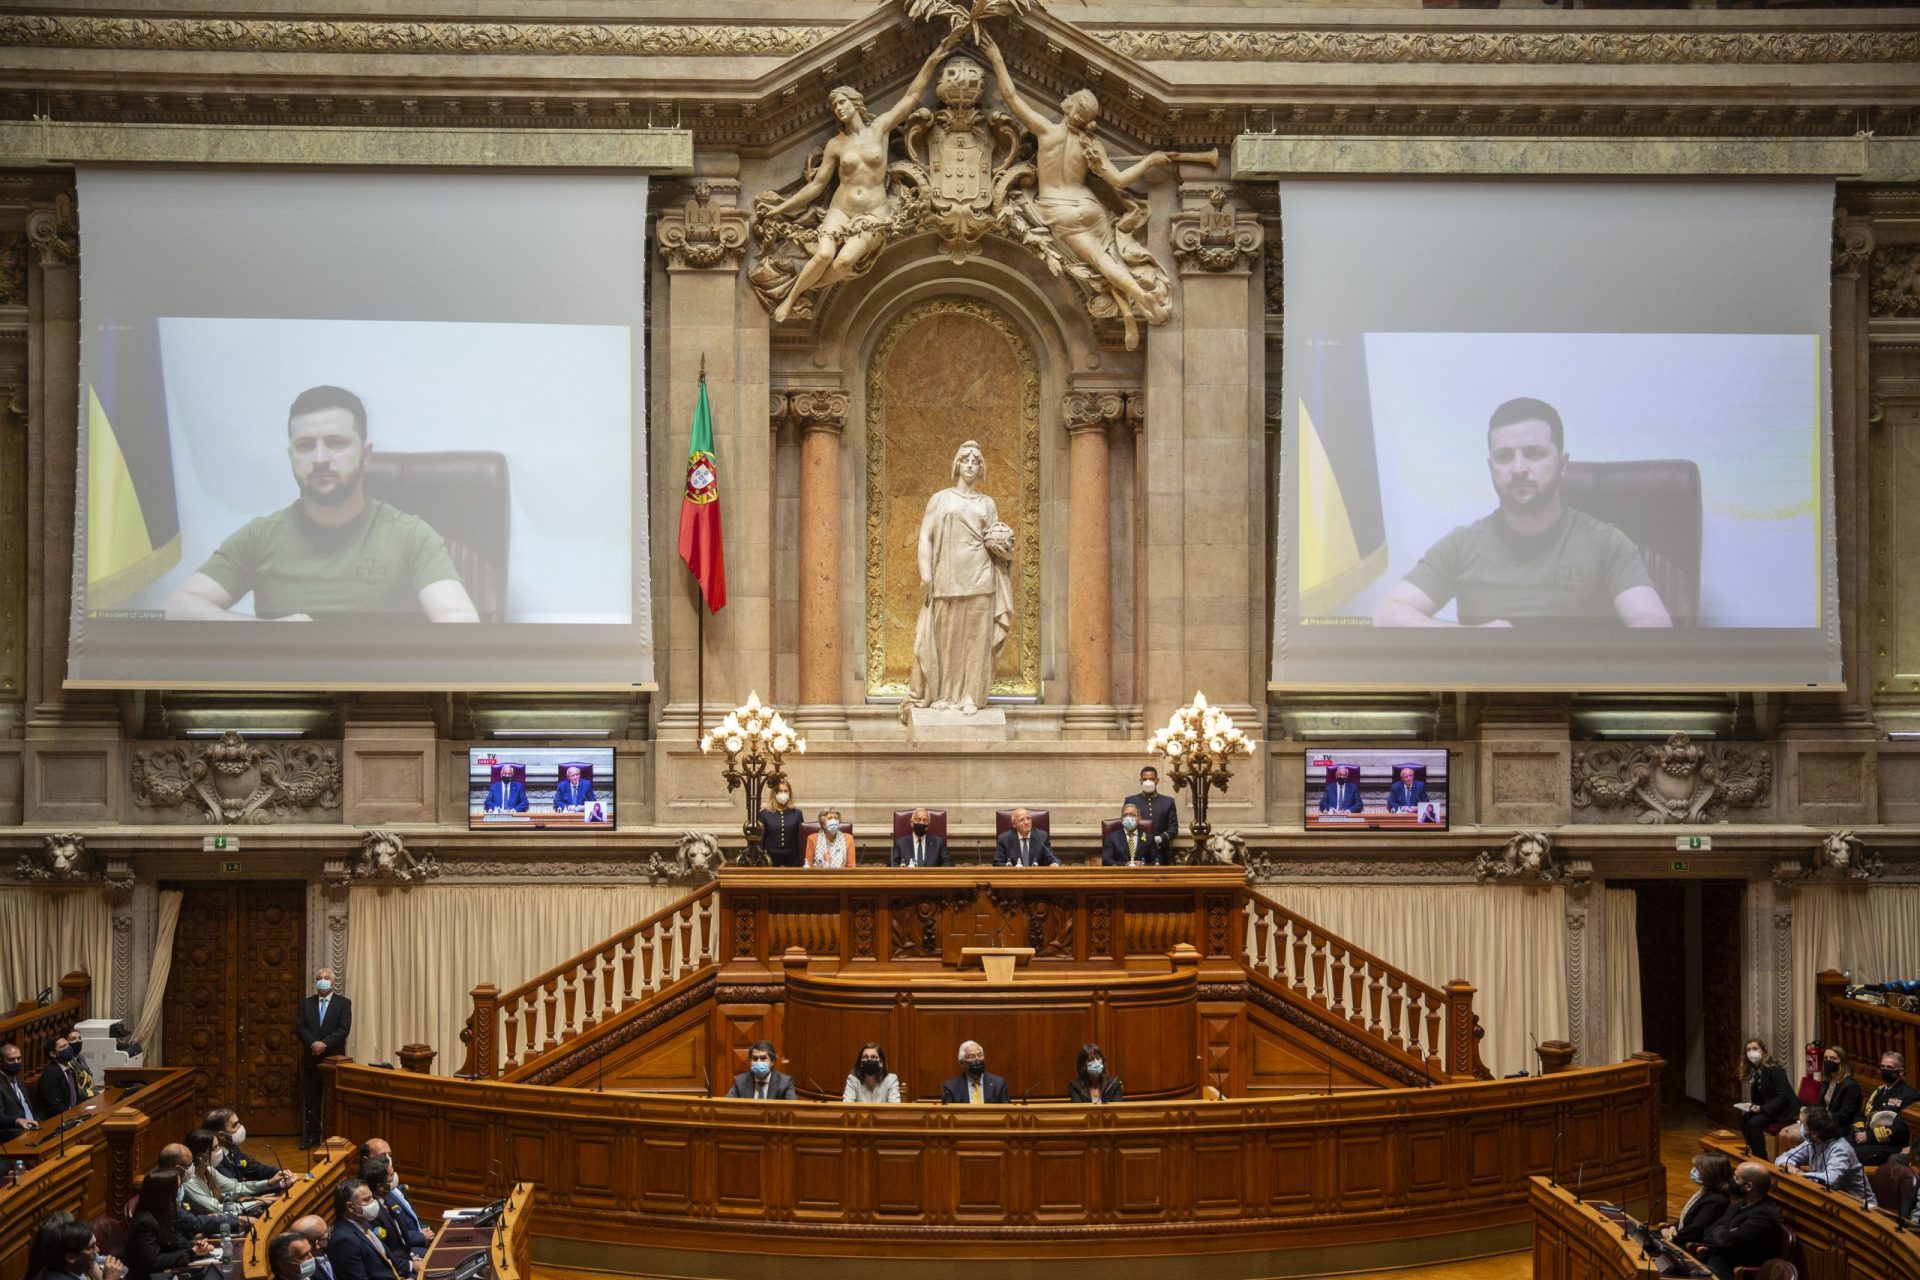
<point>948,370</point>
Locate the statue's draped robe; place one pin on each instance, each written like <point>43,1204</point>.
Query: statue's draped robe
<point>965,622</point>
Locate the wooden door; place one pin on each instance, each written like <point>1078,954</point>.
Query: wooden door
<point>239,961</point>
<point>1660,928</point>
<point>1722,929</point>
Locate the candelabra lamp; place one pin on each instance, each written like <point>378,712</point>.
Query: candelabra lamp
<point>1196,745</point>
<point>756,739</point>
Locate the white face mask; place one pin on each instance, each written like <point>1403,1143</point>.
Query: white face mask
<point>1147,786</point>
<point>239,1134</point>
<point>833,826</point>
<point>781,797</point>
<point>1754,1056</point>
<point>370,1210</point>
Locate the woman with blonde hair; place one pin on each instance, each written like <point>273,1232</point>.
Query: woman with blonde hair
<point>1770,1100</point>
<point>1839,1091</point>
<point>832,845</point>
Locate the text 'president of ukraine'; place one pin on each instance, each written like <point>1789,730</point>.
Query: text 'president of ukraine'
<point>1534,557</point>
<point>335,551</point>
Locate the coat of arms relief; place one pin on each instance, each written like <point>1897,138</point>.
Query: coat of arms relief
<point>964,171</point>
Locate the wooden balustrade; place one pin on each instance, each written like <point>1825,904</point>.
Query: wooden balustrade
<point>579,994</point>
<point>1865,1030</point>
<point>31,1025</point>
<point>1431,1027</point>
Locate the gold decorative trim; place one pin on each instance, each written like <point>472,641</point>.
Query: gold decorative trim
<point>1027,540</point>
<point>280,35</point>
<point>1525,48</point>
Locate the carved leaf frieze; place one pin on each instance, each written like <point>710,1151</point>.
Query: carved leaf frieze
<point>1530,48</point>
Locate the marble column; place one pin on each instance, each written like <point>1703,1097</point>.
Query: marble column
<point>1090,712</point>
<point>822,415</point>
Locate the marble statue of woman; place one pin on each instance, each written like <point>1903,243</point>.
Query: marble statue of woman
<point>966,593</point>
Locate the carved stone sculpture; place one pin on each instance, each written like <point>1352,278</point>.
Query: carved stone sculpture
<point>1225,848</point>
<point>966,590</point>
<point>384,855</point>
<point>703,234</point>
<point>233,780</point>
<point>1679,781</point>
<point>1842,855</point>
<point>961,179</point>
<point>1528,855</point>
<point>61,859</point>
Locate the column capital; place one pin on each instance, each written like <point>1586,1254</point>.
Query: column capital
<point>820,408</point>
<point>1088,408</point>
<point>52,229</point>
<point>1211,235</point>
<point>709,232</point>
<point>1852,244</point>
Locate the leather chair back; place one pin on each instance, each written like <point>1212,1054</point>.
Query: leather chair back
<point>519,771</point>
<point>1657,504</point>
<point>1003,821</point>
<point>903,823</point>
<point>464,495</point>
<point>1889,1182</point>
<point>813,828</point>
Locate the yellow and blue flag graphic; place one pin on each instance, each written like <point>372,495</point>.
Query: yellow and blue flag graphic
<point>1343,536</point>
<point>133,517</point>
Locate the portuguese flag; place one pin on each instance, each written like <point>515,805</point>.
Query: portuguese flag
<point>700,509</point>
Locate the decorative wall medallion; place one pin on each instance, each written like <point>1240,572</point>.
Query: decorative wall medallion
<point>1679,781</point>
<point>233,780</point>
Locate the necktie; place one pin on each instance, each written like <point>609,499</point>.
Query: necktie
<point>973,1090</point>
<point>1023,852</point>
<point>26,1112</point>
<point>1133,853</point>
<point>72,1097</point>
<point>919,853</point>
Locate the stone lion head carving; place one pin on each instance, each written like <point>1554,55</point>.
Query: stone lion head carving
<point>384,856</point>
<point>1226,848</point>
<point>62,856</point>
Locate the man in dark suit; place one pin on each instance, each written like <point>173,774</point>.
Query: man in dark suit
<point>176,1161</point>
<point>58,1089</point>
<point>1342,795</point>
<point>315,1229</point>
<point>234,1162</point>
<point>919,849</point>
<point>1023,846</point>
<point>325,1019</point>
<point>509,794</point>
<point>1127,845</point>
<point>353,1250</point>
<point>573,792</point>
<point>286,1255</point>
<point>16,1111</point>
<point>1749,1233</point>
<point>973,1084</point>
<point>1157,813</point>
<point>1407,792</point>
<point>396,1226</point>
<point>760,1081</point>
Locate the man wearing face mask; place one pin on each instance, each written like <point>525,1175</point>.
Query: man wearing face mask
<point>176,1161</point>
<point>760,1081</point>
<point>1127,845</point>
<point>1880,1132</point>
<point>16,1112</point>
<point>58,1089</point>
<point>974,1084</point>
<point>1827,1157</point>
<point>290,1257</point>
<point>314,1228</point>
<point>234,1162</point>
<point>918,848</point>
<point>353,1249</point>
<point>780,827</point>
<point>1749,1233</point>
<point>1157,815</point>
<point>326,1017</point>
<point>870,1081</point>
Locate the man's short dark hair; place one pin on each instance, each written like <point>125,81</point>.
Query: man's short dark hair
<point>375,1170</point>
<point>319,399</point>
<point>764,1045</point>
<point>280,1252</point>
<point>343,1196</point>
<point>1821,1124</point>
<point>218,1119</point>
<point>1527,409</point>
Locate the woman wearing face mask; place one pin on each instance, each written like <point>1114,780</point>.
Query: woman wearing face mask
<point>1712,1175</point>
<point>1770,1102</point>
<point>832,844</point>
<point>1839,1091</point>
<point>1093,1080</point>
<point>208,1189</point>
<point>780,827</point>
<point>870,1081</point>
<point>152,1243</point>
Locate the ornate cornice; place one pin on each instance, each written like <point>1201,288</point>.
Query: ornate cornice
<point>1523,48</point>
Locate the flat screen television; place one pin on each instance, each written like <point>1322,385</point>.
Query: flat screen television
<point>1395,789</point>
<point>540,789</point>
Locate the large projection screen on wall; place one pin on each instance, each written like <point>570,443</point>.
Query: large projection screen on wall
<point>1556,435</point>
<point>398,416</point>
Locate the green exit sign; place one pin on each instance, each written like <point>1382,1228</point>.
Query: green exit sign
<point>220,844</point>
<point>1693,844</point>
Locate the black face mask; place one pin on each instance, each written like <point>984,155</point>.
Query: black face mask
<point>976,1067</point>
<point>11,1068</point>
<point>868,1067</point>
<point>919,828</point>
<point>1832,1067</point>
<point>1890,1074</point>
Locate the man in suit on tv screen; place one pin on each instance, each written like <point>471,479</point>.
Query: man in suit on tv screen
<point>509,794</point>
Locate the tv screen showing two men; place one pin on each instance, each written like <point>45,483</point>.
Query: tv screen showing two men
<point>1376,790</point>
<point>565,789</point>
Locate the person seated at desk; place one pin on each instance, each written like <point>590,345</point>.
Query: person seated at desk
<point>1827,1157</point>
<point>830,846</point>
<point>917,848</point>
<point>760,1081</point>
<point>780,827</point>
<point>234,1162</point>
<point>403,1243</point>
<point>16,1111</point>
<point>973,1084</point>
<point>210,1191</point>
<point>58,1089</point>
<point>379,1147</point>
<point>153,1244</point>
<point>1748,1234</point>
<point>870,1081</point>
<point>1022,846</point>
<point>573,791</point>
<point>1839,1091</point>
<point>1770,1099</point>
<point>509,794</point>
<point>1342,795</point>
<point>64,1248</point>
<point>1127,845</point>
<point>315,1228</point>
<point>1877,1143</point>
<point>1712,1173</point>
<point>290,1257</point>
<point>1092,1082</point>
<point>177,1161</point>
<point>353,1249</point>
<point>1407,793</point>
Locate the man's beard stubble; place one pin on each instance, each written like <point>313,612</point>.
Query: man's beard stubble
<point>339,495</point>
<point>1538,498</point>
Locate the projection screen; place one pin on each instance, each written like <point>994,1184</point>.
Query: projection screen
<point>1556,436</point>
<point>399,415</point>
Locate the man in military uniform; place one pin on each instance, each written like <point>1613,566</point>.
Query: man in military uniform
<point>1879,1132</point>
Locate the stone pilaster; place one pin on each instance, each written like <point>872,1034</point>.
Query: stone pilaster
<point>1775,999</point>
<point>1090,712</point>
<point>1582,995</point>
<point>1526,760</point>
<point>822,415</point>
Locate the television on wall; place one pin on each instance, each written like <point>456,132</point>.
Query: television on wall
<point>1395,789</point>
<point>513,788</point>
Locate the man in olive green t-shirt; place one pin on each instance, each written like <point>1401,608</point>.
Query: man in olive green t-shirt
<point>1535,557</point>
<point>335,550</point>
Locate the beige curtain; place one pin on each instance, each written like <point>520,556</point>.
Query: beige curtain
<point>1510,943</point>
<point>415,954</point>
<point>47,934</point>
<point>1617,925</point>
<point>1874,931</point>
<point>153,1003</point>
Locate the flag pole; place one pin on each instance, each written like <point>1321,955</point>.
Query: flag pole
<point>700,630</point>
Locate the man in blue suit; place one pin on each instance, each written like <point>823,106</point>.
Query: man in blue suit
<point>509,795</point>
<point>1342,794</point>
<point>1408,793</point>
<point>353,1249</point>
<point>573,792</point>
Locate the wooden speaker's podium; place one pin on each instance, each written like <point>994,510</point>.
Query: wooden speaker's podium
<point>462,1250</point>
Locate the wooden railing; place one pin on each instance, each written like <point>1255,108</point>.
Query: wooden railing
<point>1865,1030</point>
<point>1431,1027</point>
<point>579,994</point>
<point>30,1025</point>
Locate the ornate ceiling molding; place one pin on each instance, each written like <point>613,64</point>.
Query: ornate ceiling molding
<point>1523,48</point>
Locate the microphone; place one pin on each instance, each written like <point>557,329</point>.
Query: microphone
<point>278,1162</point>
<point>706,1079</point>
<point>1025,1093</point>
<point>815,1086</point>
<point>1535,1065</point>
<point>1579,1177</point>
<point>309,1164</point>
<point>45,997</point>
